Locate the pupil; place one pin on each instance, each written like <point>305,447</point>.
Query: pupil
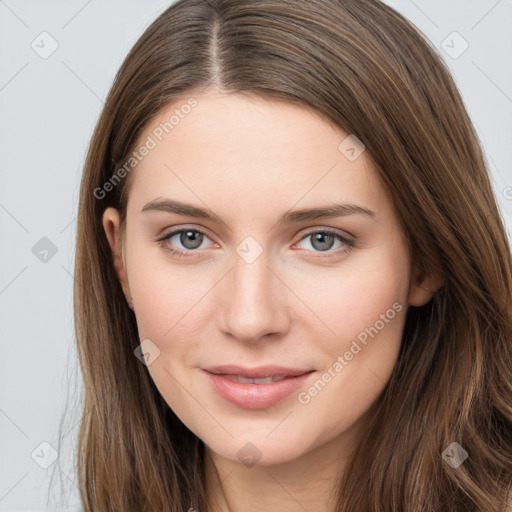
<point>320,237</point>
<point>191,239</point>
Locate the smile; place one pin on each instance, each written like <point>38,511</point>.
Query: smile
<point>255,392</point>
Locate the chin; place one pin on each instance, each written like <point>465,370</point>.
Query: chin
<point>258,451</point>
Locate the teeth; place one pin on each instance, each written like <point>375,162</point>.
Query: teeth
<point>245,380</point>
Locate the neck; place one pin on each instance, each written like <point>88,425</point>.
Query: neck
<point>304,483</point>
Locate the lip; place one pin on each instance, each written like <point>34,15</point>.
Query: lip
<point>256,396</point>
<point>257,372</point>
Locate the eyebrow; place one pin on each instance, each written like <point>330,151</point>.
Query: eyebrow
<point>289,217</point>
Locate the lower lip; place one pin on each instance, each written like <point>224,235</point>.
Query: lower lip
<point>255,396</point>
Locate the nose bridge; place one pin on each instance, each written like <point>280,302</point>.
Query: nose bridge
<point>254,305</point>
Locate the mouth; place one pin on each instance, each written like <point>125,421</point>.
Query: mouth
<point>259,372</point>
<point>246,380</point>
<point>256,388</point>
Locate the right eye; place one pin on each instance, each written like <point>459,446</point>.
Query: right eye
<point>189,239</point>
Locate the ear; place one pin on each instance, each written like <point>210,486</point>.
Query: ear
<point>423,287</point>
<point>111,223</point>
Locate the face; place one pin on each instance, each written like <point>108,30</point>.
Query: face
<point>250,279</point>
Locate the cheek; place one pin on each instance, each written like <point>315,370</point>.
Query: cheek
<point>364,304</point>
<point>165,293</point>
<point>367,313</point>
<point>367,291</point>
<point>168,301</point>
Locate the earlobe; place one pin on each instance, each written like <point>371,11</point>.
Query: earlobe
<point>111,225</point>
<point>423,288</point>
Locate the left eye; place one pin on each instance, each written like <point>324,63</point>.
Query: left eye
<point>323,241</point>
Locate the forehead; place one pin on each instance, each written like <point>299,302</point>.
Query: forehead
<point>233,145</point>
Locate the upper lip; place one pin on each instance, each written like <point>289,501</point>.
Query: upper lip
<point>258,371</point>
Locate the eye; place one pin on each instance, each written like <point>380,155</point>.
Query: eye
<point>325,240</point>
<point>182,242</point>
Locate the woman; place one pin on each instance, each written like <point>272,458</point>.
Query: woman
<point>293,285</point>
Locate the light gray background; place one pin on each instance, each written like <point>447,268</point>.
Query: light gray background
<point>48,109</point>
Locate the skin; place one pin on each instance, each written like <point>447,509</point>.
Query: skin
<point>250,160</point>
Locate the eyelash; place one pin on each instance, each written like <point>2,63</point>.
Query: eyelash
<point>350,244</point>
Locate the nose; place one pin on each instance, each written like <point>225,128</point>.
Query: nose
<point>253,302</point>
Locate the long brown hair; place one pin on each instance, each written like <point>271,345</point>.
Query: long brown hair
<point>372,73</point>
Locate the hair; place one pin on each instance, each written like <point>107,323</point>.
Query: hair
<point>368,70</point>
